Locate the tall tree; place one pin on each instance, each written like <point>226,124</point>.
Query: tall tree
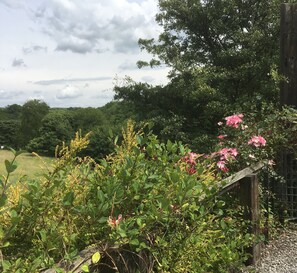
<point>236,41</point>
<point>33,112</point>
<point>55,128</point>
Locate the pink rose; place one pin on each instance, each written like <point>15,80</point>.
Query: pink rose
<point>257,141</point>
<point>233,121</point>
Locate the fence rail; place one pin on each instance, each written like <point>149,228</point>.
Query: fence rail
<point>246,185</point>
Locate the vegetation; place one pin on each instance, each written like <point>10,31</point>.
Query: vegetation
<point>147,201</point>
<point>141,206</point>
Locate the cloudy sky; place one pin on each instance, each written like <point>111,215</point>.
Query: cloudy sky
<point>69,53</point>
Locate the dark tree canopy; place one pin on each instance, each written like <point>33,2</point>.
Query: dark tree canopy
<point>236,41</point>
<point>33,112</point>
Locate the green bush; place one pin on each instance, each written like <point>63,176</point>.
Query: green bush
<point>150,206</point>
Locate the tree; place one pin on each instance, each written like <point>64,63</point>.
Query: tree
<point>9,133</point>
<point>86,119</point>
<point>55,128</point>
<point>33,112</point>
<point>223,56</point>
<point>235,41</point>
<point>14,111</point>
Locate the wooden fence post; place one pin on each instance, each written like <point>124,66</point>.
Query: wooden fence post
<point>288,54</point>
<point>249,199</point>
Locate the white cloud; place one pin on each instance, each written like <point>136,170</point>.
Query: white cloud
<point>148,79</point>
<point>60,81</point>
<point>69,92</point>
<point>12,3</point>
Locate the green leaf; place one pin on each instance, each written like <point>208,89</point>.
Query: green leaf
<point>6,264</point>
<point>3,200</point>
<point>10,167</point>
<point>138,221</point>
<point>68,199</point>
<point>223,224</point>
<point>103,220</point>
<point>6,244</point>
<point>96,257</point>
<point>100,196</point>
<point>139,139</point>
<point>85,268</point>
<point>134,242</point>
<point>122,233</point>
<point>43,235</point>
<point>174,176</point>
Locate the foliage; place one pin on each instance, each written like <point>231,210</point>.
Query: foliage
<point>55,128</point>
<point>33,112</point>
<point>184,110</point>
<point>86,119</point>
<point>235,41</point>
<point>9,133</point>
<point>140,204</point>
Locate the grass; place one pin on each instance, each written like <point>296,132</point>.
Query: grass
<point>29,165</point>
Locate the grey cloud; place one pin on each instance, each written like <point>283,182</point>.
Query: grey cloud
<point>77,28</point>
<point>61,81</point>
<point>6,95</point>
<point>18,62</point>
<point>35,48</point>
<point>74,47</point>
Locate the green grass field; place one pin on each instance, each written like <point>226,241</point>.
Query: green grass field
<point>28,164</point>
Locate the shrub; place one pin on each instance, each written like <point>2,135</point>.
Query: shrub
<point>150,206</point>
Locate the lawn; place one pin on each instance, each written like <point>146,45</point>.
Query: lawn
<point>28,164</point>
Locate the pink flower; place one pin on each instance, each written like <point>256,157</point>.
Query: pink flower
<point>257,141</point>
<point>113,221</point>
<point>221,136</point>
<point>271,162</point>
<point>222,166</point>
<point>233,121</point>
<point>228,153</point>
<point>190,158</point>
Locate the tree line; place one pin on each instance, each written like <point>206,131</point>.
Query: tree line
<point>36,127</point>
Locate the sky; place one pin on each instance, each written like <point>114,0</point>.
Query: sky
<point>70,53</point>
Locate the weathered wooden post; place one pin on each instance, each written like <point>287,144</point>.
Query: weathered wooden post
<point>249,199</point>
<point>288,54</point>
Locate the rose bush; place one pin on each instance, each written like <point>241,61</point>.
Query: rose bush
<point>244,139</point>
